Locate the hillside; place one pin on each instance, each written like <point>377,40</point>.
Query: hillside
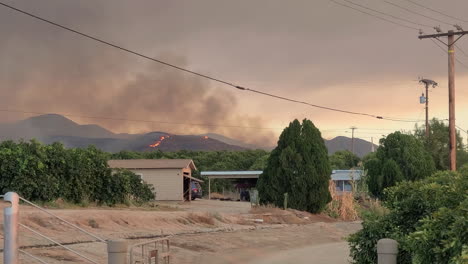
<point>361,147</point>
<point>51,128</point>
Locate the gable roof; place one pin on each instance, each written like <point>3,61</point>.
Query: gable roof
<point>152,164</point>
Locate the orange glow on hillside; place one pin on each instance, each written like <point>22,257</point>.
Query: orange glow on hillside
<point>158,142</point>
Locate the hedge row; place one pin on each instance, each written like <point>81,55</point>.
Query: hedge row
<point>47,172</point>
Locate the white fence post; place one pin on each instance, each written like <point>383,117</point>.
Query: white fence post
<point>117,252</point>
<point>10,229</point>
<point>387,251</point>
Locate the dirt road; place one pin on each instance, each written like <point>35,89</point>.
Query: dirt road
<point>330,253</point>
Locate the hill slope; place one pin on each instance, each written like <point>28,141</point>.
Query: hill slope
<point>51,128</point>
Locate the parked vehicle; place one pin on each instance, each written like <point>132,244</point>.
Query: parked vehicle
<point>196,190</point>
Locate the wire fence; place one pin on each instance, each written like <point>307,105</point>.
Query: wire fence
<point>55,242</point>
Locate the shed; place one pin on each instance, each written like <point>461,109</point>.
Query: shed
<point>170,177</point>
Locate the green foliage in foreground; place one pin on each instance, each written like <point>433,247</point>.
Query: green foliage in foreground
<point>429,219</point>
<point>48,172</point>
<point>298,166</point>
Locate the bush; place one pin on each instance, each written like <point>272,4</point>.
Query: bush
<point>428,218</point>
<point>400,157</point>
<point>45,173</point>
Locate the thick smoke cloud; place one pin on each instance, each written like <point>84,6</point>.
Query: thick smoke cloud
<point>310,50</point>
<point>48,70</point>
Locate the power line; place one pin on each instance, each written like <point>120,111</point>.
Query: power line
<point>386,14</point>
<point>196,73</point>
<point>444,50</point>
<point>375,16</point>
<point>461,50</point>
<point>436,11</point>
<point>416,13</point>
<point>463,130</point>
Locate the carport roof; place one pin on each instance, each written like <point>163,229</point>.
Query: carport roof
<point>152,164</point>
<point>346,175</point>
<point>231,174</point>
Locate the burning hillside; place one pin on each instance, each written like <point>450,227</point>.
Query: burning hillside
<point>158,142</point>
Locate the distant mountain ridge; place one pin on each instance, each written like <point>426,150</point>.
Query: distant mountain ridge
<point>52,128</point>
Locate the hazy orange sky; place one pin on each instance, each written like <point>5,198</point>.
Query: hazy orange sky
<point>314,51</point>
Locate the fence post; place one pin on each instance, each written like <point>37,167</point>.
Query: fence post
<point>117,252</point>
<point>387,251</point>
<point>285,201</point>
<point>10,229</point>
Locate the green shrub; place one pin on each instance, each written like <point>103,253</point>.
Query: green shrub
<point>44,173</point>
<point>428,218</point>
<point>399,157</point>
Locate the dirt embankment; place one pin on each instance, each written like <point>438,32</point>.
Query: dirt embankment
<point>201,228</point>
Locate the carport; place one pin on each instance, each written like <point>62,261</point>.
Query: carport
<point>229,175</point>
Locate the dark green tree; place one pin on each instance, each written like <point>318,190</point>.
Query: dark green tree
<point>437,144</point>
<point>298,166</point>
<point>399,157</point>
<point>344,160</point>
<point>391,174</point>
<point>374,176</point>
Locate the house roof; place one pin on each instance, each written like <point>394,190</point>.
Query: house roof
<point>152,164</point>
<point>346,175</point>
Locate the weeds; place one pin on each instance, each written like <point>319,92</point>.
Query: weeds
<point>343,206</point>
<point>92,223</point>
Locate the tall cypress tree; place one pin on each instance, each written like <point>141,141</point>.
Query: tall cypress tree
<point>298,166</point>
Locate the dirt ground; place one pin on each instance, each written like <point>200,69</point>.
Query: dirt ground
<point>202,231</point>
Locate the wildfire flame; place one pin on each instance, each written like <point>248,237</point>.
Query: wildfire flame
<point>158,142</point>
<point>205,137</point>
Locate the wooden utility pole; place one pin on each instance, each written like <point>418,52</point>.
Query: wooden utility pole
<point>372,144</point>
<point>427,83</point>
<point>352,139</point>
<point>451,85</point>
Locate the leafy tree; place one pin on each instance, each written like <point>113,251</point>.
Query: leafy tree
<point>260,163</point>
<point>399,157</point>
<point>391,174</point>
<point>437,144</point>
<point>343,160</point>
<point>298,166</point>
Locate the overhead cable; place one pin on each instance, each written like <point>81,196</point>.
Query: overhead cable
<point>417,13</point>
<point>390,15</point>
<point>197,73</point>
<point>375,16</point>
<point>436,11</point>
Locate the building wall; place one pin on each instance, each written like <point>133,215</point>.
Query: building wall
<point>167,182</point>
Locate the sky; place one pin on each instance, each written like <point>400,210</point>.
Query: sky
<point>315,51</point>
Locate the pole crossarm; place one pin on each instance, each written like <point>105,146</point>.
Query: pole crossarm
<point>453,33</point>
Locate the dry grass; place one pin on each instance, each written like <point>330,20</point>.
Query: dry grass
<point>274,215</point>
<point>93,223</point>
<point>343,206</point>
<point>266,209</point>
<point>215,195</point>
<point>206,219</point>
<point>372,206</point>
